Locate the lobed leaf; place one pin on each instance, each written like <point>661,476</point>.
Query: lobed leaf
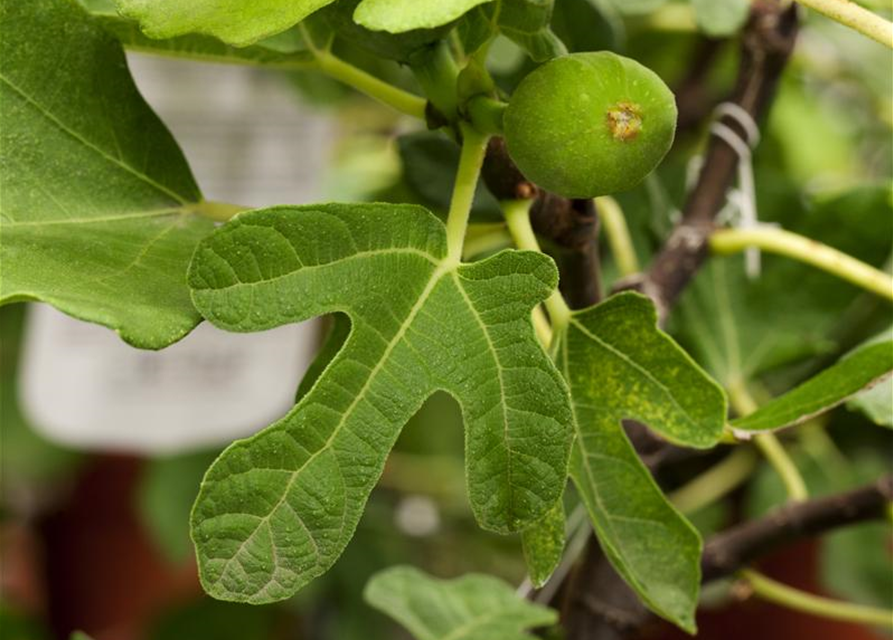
<point>277,510</point>
<point>620,366</point>
<point>472,607</point>
<point>98,201</point>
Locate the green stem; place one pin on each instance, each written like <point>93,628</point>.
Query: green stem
<point>437,73</point>
<point>716,482</point>
<point>856,17</point>
<point>474,147</point>
<point>219,211</point>
<point>786,596</point>
<point>789,244</point>
<point>517,216</point>
<point>769,445</point>
<point>614,224</point>
<point>375,88</point>
<point>485,114</point>
<point>776,455</point>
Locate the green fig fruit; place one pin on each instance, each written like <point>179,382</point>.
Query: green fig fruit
<point>590,124</point>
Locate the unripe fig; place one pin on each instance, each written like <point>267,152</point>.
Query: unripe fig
<point>590,124</point>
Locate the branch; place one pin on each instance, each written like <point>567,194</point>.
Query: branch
<point>766,45</point>
<point>618,614</point>
<point>570,226</point>
<point>734,549</point>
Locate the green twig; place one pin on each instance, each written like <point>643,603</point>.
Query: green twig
<point>716,482</point>
<point>819,255</point>
<point>375,88</point>
<point>474,147</point>
<point>769,445</point>
<point>219,211</point>
<point>517,215</point>
<point>614,224</point>
<point>855,17</point>
<point>786,596</point>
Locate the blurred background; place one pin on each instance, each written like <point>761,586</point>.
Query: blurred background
<point>103,447</point>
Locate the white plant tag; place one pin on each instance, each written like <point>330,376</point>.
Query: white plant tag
<point>83,387</point>
<point>250,141</point>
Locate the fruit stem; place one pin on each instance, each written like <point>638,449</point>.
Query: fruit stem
<point>727,241</point>
<point>614,222</point>
<point>852,15</point>
<point>485,114</point>
<point>474,147</point>
<point>782,594</point>
<point>517,215</point>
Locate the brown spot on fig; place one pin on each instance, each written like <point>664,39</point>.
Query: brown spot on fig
<point>624,121</point>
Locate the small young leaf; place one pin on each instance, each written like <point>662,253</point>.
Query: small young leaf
<point>543,544</point>
<point>277,510</point>
<point>472,607</point>
<point>718,18</point>
<point>619,365</point>
<point>825,391</point>
<point>399,16</point>
<point>96,214</point>
<point>235,22</point>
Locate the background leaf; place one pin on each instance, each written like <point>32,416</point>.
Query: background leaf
<point>719,18</point>
<point>740,328</point>
<point>97,209</point>
<point>429,168</point>
<point>619,365</point>
<point>473,607</point>
<point>276,510</point>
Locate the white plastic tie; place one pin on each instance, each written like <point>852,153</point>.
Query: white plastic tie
<point>743,199</point>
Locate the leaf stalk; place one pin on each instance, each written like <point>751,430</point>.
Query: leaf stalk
<point>781,594</point>
<point>517,216</point>
<point>474,147</point>
<point>792,245</point>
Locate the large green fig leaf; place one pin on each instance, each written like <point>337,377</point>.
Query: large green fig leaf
<point>97,209</point>
<point>235,22</point>
<point>472,607</point>
<point>620,366</point>
<point>286,50</point>
<point>277,510</point>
